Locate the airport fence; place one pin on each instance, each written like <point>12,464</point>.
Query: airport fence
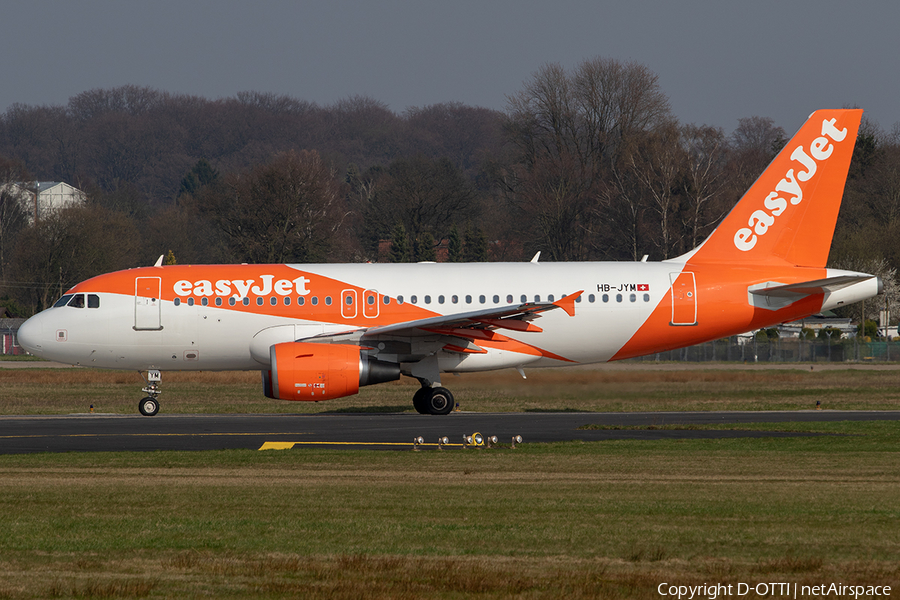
<point>783,350</point>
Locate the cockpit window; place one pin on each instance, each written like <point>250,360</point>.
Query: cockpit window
<point>93,301</point>
<point>63,301</point>
<point>77,301</point>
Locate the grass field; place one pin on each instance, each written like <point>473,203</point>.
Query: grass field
<point>571,520</point>
<point>636,387</point>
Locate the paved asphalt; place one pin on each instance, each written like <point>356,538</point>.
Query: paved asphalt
<point>92,433</point>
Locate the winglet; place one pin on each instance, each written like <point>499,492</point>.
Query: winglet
<point>568,303</point>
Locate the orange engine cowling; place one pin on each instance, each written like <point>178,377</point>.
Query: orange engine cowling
<point>304,371</point>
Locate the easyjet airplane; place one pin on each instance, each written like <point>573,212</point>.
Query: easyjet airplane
<point>318,332</point>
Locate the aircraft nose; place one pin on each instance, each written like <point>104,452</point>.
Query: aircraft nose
<point>30,334</point>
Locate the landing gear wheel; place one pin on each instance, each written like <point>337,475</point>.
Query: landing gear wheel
<point>148,406</point>
<point>439,401</point>
<point>420,400</point>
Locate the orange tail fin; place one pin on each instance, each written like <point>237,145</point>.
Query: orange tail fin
<point>788,214</point>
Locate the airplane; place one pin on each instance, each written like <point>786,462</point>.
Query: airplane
<point>321,331</point>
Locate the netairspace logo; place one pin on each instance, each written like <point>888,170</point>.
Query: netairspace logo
<point>770,589</point>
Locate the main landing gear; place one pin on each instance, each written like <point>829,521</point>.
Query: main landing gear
<point>149,406</point>
<point>433,401</point>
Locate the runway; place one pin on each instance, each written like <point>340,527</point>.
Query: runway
<point>97,433</point>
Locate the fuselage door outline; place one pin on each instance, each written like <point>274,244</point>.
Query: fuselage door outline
<point>147,304</point>
<point>684,298</point>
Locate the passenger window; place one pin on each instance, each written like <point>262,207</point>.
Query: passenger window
<point>327,300</point>
<point>314,301</point>
<point>427,299</point>
<point>509,299</point>
<point>273,301</point>
<point>591,298</point>
<point>468,299</point>
<point>414,299</point>
<point>301,300</point>
<point>524,298</point>
<point>496,299</point>
<point>440,299</point>
<point>63,301</point>
<point>93,301</point>
<point>218,301</point>
<point>177,301</point>
<point>482,299</point>
<point>245,301</point>
<point>77,301</point>
<point>191,301</point>
<point>550,298</point>
<point>287,300</point>
<point>537,297</point>
<point>646,297</point>
<point>618,297</point>
<point>633,297</point>
<point>204,301</point>
<point>259,301</point>
<point>232,301</point>
<point>386,299</point>
<point>454,299</point>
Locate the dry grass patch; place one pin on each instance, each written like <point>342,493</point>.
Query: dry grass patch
<point>54,391</point>
<point>362,576</point>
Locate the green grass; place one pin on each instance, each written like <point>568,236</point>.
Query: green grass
<point>579,520</point>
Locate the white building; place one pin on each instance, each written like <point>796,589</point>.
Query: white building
<point>42,198</point>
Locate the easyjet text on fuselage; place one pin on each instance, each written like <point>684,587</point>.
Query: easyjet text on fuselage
<point>241,288</point>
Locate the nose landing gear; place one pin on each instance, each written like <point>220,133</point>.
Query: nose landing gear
<point>149,406</point>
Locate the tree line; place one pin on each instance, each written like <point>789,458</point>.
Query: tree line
<point>587,163</point>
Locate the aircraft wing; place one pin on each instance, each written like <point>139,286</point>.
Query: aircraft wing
<point>515,317</point>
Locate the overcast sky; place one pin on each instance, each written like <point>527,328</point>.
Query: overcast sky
<point>717,61</point>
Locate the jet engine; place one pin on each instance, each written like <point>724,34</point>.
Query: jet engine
<point>305,371</point>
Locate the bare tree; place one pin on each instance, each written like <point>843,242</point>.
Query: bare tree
<point>570,129</point>
<point>705,181</point>
<point>69,246</point>
<point>289,210</point>
<point>658,162</point>
<point>13,216</point>
<point>426,196</point>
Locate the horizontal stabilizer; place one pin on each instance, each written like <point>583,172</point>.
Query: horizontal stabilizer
<point>773,295</point>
